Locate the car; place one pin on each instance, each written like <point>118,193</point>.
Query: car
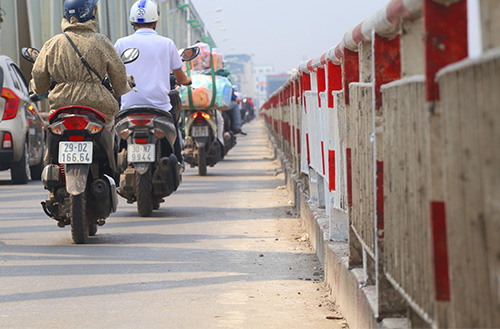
<point>22,129</point>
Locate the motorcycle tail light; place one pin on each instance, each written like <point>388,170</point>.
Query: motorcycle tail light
<point>94,128</point>
<point>11,104</point>
<point>158,133</point>
<point>141,119</point>
<point>124,133</point>
<point>76,122</point>
<point>141,140</point>
<point>7,141</point>
<point>57,129</point>
<point>202,114</point>
<point>76,138</point>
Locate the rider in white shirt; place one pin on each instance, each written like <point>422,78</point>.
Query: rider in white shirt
<point>158,57</point>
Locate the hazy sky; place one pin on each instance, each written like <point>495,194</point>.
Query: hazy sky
<point>286,32</point>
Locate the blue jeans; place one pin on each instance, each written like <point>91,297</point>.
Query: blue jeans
<point>235,115</point>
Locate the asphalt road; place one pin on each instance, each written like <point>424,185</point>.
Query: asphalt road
<point>223,251</point>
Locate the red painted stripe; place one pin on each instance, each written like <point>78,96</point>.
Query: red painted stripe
<point>349,176</point>
<point>387,64</point>
<point>309,66</point>
<point>440,248</point>
<point>331,167</point>
<point>351,71</point>
<point>323,157</point>
<point>297,92</point>
<point>322,59</point>
<point>396,12</point>
<point>321,79</point>
<point>446,40</point>
<point>357,34</point>
<point>334,81</point>
<point>380,199</point>
<point>339,52</point>
<point>306,85</point>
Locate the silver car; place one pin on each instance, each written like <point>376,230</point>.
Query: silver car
<point>22,131</point>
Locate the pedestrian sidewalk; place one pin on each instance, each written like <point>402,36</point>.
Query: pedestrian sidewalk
<point>356,300</point>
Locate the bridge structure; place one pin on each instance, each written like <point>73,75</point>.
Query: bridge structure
<point>390,140</point>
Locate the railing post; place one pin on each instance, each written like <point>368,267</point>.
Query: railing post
<point>445,24</point>
<point>337,219</point>
<point>386,68</point>
<point>305,82</point>
<point>490,19</point>
<point>350,73</point>
<point>334,83</point>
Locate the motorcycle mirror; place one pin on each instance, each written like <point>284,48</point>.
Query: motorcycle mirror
<point>30,54</point>
<point>129,55</point>
<point>190,53</point>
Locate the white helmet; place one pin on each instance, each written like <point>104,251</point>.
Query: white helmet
<point>144,11</point>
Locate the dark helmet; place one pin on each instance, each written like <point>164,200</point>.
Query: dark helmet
<point>83,10</point>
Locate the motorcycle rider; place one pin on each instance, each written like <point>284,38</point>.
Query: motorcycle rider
<point>248,109</point>
<point>159,56</point>
<point>58,63</point>
<point>239,101</point>
<point>235,114</point>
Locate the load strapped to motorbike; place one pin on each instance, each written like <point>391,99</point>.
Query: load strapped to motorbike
<point>205,120</point>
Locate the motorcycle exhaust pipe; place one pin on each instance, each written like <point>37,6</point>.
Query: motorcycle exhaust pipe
<point>101,198</point>
<point>100,189</point>
<point>168,172</point>
<point>164,164</point>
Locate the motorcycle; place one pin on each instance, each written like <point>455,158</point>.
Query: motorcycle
<point>81,170</point>
<point>150,170</point>
<point>247,111</point>
<point>203,145</point>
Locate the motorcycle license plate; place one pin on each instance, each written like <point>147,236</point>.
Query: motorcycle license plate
<point>141,153</point>
<point>201,131</point>
<point>75,152</point>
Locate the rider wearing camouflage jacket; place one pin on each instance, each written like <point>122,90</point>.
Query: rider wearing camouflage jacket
<point>75,86</point>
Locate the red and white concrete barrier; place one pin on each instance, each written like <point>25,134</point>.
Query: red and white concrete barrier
<point>367,125</point>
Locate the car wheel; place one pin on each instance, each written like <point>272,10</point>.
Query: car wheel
<point>36,170</point>
<point>20,171</point>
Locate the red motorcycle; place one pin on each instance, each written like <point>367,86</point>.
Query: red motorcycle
<point>81,170</point>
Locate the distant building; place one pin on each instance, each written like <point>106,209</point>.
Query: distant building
<point>242,73</point>
<point>255,81</point>
<point>260,73</point>
<point>276,81</point>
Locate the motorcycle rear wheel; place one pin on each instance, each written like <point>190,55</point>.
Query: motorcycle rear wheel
<point>143,193</point>
<point>79,221</point>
